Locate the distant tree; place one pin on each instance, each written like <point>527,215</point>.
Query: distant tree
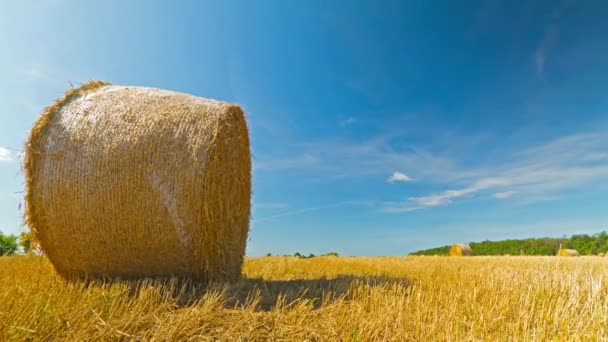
<point>310,255</point>
<point>331,254</point>
<point>297,255</point>
<point>8,244</point>
<point>26,242</point>
<point>583,243</point>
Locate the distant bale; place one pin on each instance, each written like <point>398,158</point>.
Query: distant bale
<point>567,252</point>
<point>135,182</point>
<point>601,255</point>
<point>461,249</point>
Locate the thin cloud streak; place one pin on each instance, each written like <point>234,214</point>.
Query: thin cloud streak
<point>504,194</point>
<point>301,211</point>
<point>539,171</point>
<point>271,205</point>
<point>536,172</point>
<point>351,120</point>
<point>447,196</point>
<point>366,158</point>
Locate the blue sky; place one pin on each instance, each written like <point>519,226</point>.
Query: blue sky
<point>376,129</point>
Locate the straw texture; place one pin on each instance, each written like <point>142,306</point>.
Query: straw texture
<point>567,252</point>
<point>134,182</point>
<point>460,249</point>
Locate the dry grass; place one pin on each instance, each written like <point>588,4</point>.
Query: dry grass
<point>327,298</point>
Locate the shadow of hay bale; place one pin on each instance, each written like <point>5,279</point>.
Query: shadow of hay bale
<point>256,293</point>
<point>315,291</point>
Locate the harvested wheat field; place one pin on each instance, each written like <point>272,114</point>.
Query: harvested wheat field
<point>319,299</point>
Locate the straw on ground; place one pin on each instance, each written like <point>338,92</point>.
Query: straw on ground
<point>320,299</point>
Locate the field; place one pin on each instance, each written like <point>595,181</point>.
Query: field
<point>320,299</point>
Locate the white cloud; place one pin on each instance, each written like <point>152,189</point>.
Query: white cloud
<point>446,196</point>
<point>351,120</point>
<point>504,194</point>
<point>6,155</point>
<point>399,177</point>
<point>536,173</point>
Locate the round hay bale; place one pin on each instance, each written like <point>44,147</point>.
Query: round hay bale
<point>567,252</point>
<point>134,182</point>
<point>461,249</point>
<point>601,255</point>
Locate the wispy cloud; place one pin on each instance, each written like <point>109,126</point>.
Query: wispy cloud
<point>351,120</point>
<point>399,177</point>
<point>375,156</point>
<point>399,207</point>
<point>543,48</point>
<point>302,211</point>
<point>536,172</point>
<point>539,60</point>
<point>271,205</point>
<point>504,194</point>
<point>539,171</point>
<point>6,155</point>
<point>448,195</point>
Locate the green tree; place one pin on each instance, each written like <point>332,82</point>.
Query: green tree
<point>585,244</point>
<point>27,243</point>
<point>8,244</point>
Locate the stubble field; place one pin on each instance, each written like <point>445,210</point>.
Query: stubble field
<point>319,299</point>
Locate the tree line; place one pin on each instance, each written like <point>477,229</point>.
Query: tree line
<point>11,244</point>
<point>585,244</point>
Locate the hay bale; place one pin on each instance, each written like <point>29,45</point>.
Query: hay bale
<point>601,255</point>
<point>134,182</point>
<point>461,249</point>
<point>567,252</point>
